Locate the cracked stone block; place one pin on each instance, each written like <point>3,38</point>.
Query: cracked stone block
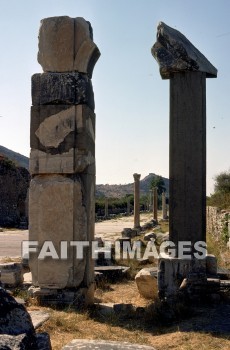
<point>11,274</point>
<point>57,213</point>
<point>62,139</point>
<point>62,88</point>
<point>66,45</point>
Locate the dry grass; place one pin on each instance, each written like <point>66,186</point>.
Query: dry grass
<point>68,324</point>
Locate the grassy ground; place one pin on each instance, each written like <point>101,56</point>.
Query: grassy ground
<point>187,330</point>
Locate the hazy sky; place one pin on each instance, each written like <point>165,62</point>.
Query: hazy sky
<point>131,99</point>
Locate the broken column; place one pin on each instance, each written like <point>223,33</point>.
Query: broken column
<point>155,204</point>
<point>62,159</point>
<point>136,200</point>
<point>164,206</point>
<point>187,70</point>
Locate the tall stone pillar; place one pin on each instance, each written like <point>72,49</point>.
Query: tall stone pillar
<point>164,206</point>
<point>187,70</point>
<point>62,159</point>
<point>155,204</point>
<point>106,207</point>
<point>136,200</point>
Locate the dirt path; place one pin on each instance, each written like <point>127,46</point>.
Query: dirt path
<point>11,240</point>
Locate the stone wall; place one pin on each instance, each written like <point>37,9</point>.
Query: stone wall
<point>218,222</point>
<point>14,183</point>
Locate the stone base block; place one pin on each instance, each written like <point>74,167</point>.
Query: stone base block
<point>11,274</point>
<point>81,297</point>
<point>172,272</point>
<point>58,216</point>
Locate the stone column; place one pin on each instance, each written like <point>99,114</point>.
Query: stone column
<point>155,204</point>
<point>128,205</point>
<point>136,200</point>
<point>62,159</point>
<point>150,200</point>
<point>187,70</point>
<point>164,206</point>
<point>106,207</point>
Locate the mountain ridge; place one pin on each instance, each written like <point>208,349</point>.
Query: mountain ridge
<point>110,191</point>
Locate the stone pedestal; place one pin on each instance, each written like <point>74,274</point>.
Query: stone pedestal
<point>62,161</point>
<point>136,200</point>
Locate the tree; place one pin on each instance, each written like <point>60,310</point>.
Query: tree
<point>222,182</point>
<point>158,182</point>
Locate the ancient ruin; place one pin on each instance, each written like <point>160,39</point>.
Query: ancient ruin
<point>62,160</point>
<point>136,200</point>
<point>187,70</point>
<point>164,206</point>
<point>155,203</point>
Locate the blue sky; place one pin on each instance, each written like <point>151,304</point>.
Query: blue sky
<point>131,99</point>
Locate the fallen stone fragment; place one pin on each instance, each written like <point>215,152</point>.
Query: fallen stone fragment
<point>82,344</point>
<point>146,280</point>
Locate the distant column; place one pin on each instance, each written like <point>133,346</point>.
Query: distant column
<point>164,206</point>
<point>150,200</point>
<point>106,207</point>
<point>136,200</point>
<point>155,198</point>
<point>128,205</point>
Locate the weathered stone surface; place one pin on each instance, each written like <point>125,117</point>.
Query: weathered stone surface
<point>40,341</point>
<point>14,319</point>
<point>150,236</point>
<point>62,139</point>
<point>14,183</point>
<point>175,53</point>
<point>65,45</point>
<point>103,345</point>
<point>146,280</point>
<point>187,222</point>
<point>56,44</point>
<point>15,342</point>
<point>43,341</point>
<point>68,296</point>
<point>172,272</point>
<point>211,264</point>
<point>62,88</point>
<point>52,198</point>
<point>129,232</point>
<point>11,274</point>
<point>38,318</point>
<point>218,221</point>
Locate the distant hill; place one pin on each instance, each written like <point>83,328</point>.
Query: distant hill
<point>118,191</point>
<point>17,158</point>
<point>112,191</point>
